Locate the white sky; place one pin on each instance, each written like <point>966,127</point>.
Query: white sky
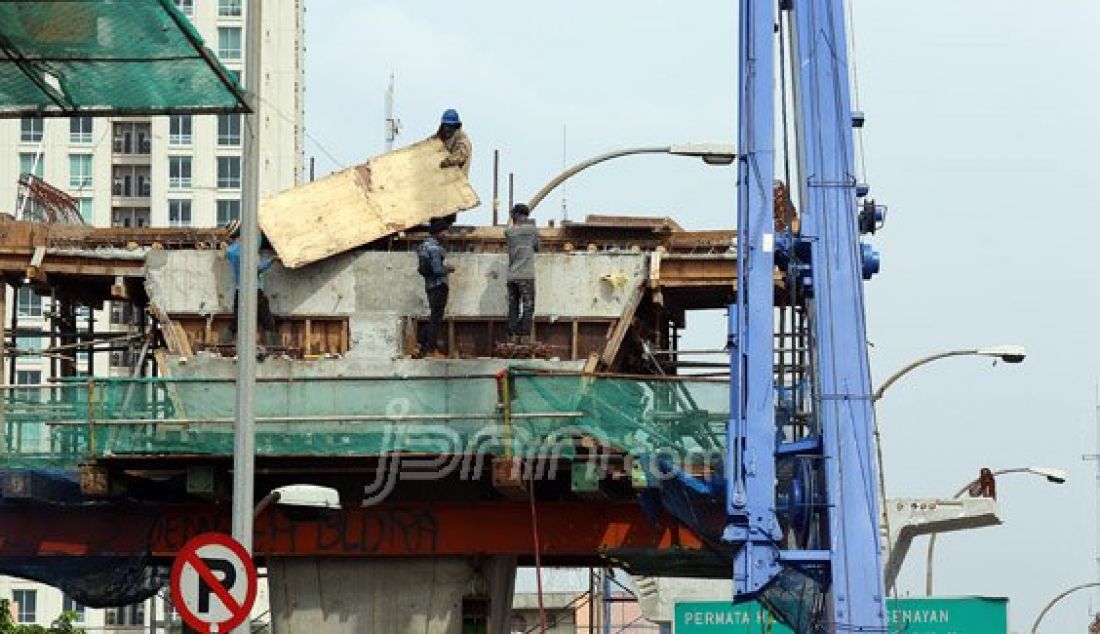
<point>980,135</point>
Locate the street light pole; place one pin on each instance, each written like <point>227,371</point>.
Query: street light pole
<point>1054,476</point>
<point>711,153</point>
<point>244,428</point>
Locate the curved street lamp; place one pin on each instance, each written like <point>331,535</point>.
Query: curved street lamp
<point>711,153</point>
<point>1055,600</point>
<point>1008,354</point>
<point>1052,475</point>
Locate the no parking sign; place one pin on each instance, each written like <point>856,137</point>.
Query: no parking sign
<point>213,583</point>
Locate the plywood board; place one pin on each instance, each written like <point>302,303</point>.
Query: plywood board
<point>390,193</point>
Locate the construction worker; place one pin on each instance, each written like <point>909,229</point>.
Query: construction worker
<point>263,310</point>
<point>457,145</point>
<point>522,238</point>
<point>455,141</point>
<point>432,265</point>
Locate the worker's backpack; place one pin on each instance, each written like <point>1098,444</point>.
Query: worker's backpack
<point>424,261</point>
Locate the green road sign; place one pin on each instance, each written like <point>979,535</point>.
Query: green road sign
<point>959,615</point>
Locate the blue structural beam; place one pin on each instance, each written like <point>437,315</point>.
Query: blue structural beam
<point>844,406</point>
<point>751,494</point>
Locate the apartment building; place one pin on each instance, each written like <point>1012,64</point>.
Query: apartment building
<point>179,170</point>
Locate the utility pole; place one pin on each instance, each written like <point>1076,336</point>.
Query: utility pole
<point>1095,457</point>
<point>244,430</point>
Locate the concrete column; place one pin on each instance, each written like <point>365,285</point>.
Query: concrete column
<point>392,596</point>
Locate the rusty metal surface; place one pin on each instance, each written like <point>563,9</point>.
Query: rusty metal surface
<point>573,530</point>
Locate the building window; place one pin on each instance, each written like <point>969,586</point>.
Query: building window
<point>130,181</point>
<point>80,170</point>
<point>30,163</point>
<point>229,172</point>
<point>228,210</point>
<point>29,345</point>
<point>129,217</point>
<point>229,129</point>
<point>236,76</point>
<point>80,130</point>
<point>29,303</point>
<point>132,138</point>
<point>126,615</point>
<point>68,605</point>
<point>179,213</point>
<point>85,207</point>
<point>179,172</point>
<point>27,601</point>
<point>179,129</point>
<point>187,7</point>
<point>122,313</point>
<point>229,8</point>
<point>31,129</point>
<point>229,42</point>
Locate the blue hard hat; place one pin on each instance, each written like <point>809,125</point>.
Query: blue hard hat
<point>450,117</point>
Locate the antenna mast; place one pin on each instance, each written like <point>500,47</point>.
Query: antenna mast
<point>393,124</point>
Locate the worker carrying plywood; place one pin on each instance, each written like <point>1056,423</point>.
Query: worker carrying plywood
<point>455,140</point>
<point>458,146</point>
<point>394,192</point>
<point>522,238</point>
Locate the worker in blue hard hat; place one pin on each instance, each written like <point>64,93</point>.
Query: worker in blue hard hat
<point>454,140</point>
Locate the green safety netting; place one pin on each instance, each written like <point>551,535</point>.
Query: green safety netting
<point>61,425</point>
<point>107,57</point>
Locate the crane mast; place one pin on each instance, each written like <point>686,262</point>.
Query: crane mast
<point>801,496</point>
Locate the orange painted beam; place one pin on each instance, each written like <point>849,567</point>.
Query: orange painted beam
<point>567,530</point>
<point>500,528</point>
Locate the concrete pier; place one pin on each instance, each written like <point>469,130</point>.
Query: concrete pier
<point>390,596</point>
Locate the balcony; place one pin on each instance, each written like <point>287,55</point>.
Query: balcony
<point>126,190</point>
<point>132,143</point>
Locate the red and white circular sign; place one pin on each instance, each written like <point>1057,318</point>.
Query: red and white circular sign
<point>213,583</point>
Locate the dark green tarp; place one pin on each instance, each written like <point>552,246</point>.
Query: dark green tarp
<point>107,57</point>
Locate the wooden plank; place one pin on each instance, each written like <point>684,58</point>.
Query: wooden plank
<point>182,340</point>
<point>170,388</point>
<point>615,341</point>
<point>388,194</point>
<point>655,275</point>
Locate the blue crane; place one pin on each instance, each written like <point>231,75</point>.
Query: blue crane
<point>801,500</point>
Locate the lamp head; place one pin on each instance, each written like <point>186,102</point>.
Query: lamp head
<point>1053,475</point>
<point>711,153</point>
<point>1008,354</point>
<point>308,496</point>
